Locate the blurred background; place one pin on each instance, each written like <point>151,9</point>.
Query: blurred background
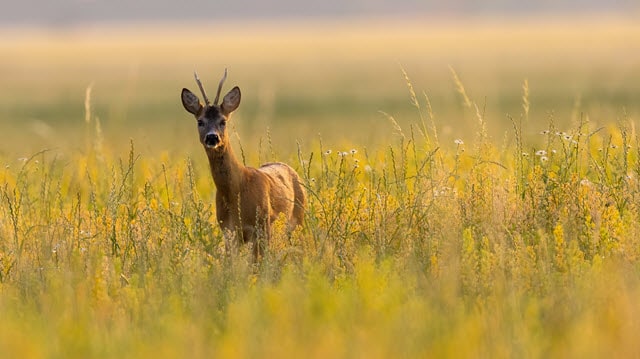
<point>330,70</point>
<point>66,13</point>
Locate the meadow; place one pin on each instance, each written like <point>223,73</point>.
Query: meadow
<point>473,190</point>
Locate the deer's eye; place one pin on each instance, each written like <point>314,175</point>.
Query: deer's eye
<point>200,123</point>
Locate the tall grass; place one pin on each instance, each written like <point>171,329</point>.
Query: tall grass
<point>419,248</point>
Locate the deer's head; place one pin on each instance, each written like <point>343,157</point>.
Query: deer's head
<point>212,118</point>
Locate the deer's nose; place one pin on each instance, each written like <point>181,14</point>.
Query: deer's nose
<point>211,139</point>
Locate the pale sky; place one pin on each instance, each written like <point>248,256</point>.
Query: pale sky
<point>71,12</point>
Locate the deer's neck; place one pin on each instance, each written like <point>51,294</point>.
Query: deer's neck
<point>226,171</point>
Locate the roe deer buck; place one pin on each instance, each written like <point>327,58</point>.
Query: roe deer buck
<point>248,200</point>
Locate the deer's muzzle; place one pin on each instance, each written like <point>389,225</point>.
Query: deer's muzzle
<point>211,140</point>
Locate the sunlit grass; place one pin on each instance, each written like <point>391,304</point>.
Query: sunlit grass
<point>409,250</point>
<point>432,238</point>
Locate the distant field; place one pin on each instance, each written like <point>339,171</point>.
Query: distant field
<point>473,190</point>
<point>316,77</point>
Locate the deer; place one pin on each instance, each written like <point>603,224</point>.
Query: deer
<point>248,200</point>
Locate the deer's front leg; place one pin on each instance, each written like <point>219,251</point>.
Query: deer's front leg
<point>258,232</point>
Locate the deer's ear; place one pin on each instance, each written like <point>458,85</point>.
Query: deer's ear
<point>191,102</point>
<point>231,101</point>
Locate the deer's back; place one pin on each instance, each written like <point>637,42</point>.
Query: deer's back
<point>286,192</point>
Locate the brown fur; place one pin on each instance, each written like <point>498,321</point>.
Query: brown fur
<point>248,200</point>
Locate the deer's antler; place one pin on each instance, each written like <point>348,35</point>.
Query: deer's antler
<point>224,77</point>
<point>206,99</point>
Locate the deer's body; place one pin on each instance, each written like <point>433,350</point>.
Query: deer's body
<point>248,200</point>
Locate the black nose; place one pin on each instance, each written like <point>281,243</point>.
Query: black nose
<point>211,139</point>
